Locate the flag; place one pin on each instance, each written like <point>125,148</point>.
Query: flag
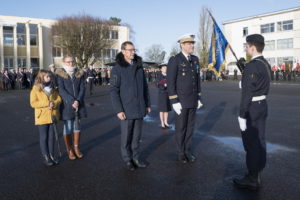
<point>218,48</point>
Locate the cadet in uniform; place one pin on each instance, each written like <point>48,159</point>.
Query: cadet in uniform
<point>254,111</point>
<point>184,90</point>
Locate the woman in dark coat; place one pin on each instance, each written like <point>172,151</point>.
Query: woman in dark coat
<point>164,105</point>
<point>70,82</point>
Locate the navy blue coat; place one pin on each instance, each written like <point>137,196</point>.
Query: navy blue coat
<point>183,79</point>
<point>71,89</point>
<point>128,88</point>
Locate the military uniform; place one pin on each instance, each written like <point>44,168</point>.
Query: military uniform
<point>184,87</point>
<point>254,109</point>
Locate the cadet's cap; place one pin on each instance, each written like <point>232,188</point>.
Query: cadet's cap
<point>187,38</point>
<point>255,38</point>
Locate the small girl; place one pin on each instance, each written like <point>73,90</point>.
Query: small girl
<point>45,100</point>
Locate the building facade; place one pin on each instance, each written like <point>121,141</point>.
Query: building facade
<point>26,43</point>
<point>280,29</point>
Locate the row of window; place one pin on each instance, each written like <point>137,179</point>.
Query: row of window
<point>8,35</point>
<point>287,61</point>
<point>9,63</point>
<point>107,53</point>
<point>270,27</point>
<point>281,44</point>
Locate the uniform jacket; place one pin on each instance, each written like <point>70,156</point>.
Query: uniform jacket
<point>183,80</point>
<point>40,101</point>
<point>71,89</point>
<point>128,88</point>
<point>255,82</point>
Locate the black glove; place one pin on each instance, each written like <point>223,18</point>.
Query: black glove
<point>241,64</point>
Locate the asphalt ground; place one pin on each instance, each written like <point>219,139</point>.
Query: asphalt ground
<point>101,173</point>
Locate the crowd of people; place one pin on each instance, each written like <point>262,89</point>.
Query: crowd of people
<point>20,79</point>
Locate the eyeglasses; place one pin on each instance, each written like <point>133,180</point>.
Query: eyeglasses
<point>69,61</point>
<point>131,50</point>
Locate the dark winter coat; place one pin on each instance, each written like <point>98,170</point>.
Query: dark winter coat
<point>128,88</point>
<point>71,89</point>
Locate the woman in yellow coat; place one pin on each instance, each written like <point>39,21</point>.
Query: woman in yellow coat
<point>46,101</point>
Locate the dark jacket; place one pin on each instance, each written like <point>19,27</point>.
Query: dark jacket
<point>128,88</point>
<point>71,89</point>
<point>161,81</point>
<point>255,82</point>
<point>183,79</point>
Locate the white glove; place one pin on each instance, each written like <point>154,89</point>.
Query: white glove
<point>243,123</point>
<point>199,104</point>
<point>177,108</point>
<point>240,84</point>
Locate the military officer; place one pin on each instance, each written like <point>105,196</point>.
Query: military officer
<point>184,90</point>
<point>254,111</point>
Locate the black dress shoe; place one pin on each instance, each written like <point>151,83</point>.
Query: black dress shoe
<point>130,166</point>
<point>247,182</point>
<point>47,161</point>
<point>182,158</point>
<point>167,126</point>
<point>139,164</point>
<point>190,157</point>
<point>54,160</point>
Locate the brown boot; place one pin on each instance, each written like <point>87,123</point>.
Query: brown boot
<point>76,145</point>
<point>68,143</point>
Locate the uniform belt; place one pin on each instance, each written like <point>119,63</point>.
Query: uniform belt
<point>259,98</point>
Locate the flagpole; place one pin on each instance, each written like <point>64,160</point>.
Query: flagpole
<point>224,36</point>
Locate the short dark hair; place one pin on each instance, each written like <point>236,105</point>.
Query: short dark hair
<point>124,44</point>
<point>259,46</point>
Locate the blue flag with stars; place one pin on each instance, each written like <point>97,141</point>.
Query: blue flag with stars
<point>219,47</point>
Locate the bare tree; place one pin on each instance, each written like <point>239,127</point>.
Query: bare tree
<point>155,53</point>
<point>204,36</point>
<point>82,36</point>
<point>175,50</point>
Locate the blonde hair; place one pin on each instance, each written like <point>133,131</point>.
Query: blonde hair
<point>39,80</point>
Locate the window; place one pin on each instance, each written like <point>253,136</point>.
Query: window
<point>245,31</point>
<point>33,34</point>
<point>285,25</point>
<point>21,34</point>
<point>267,28</point>
<point>8,63</point>
<point>34,62</point>
<point>114,53</point>
<point>8,36</point>
<point>21,62</point>
<point>114,35</point>
<point>285,43</point>
<point>56,52</point>
<point>269,45</point>
<point>106,53</point>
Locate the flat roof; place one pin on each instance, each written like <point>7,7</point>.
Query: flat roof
<point>262,15</point>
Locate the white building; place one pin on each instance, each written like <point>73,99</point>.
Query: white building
<point>26,43</point>
<point>280,29</point>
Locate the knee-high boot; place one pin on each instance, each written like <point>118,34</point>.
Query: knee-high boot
<point>76,145</point>
<point>68,143</point>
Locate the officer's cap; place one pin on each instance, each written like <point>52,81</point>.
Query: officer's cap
<point>255,38</point>
<point>187,38</point>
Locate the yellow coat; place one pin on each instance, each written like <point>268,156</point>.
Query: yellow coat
<point>40,101</point>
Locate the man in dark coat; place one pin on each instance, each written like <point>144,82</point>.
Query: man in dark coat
<point>254,111</point>
<point>184,90</point>
<point>131,101</point>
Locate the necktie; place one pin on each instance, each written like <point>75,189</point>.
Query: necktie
<point>190,59</point>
